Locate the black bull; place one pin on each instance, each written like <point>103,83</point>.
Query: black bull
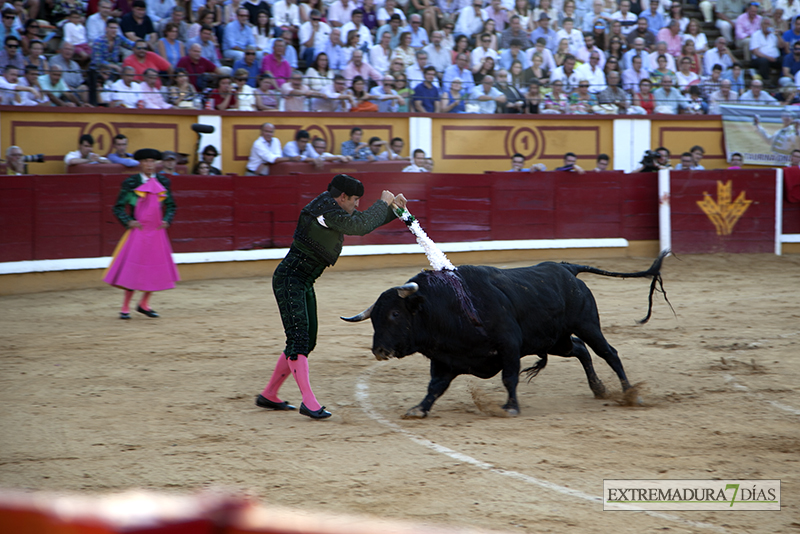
<point>482,320</point>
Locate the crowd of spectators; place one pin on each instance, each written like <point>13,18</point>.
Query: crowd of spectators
<point>427,56</point>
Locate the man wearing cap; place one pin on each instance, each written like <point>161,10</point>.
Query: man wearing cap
<point>170,162</point>
<point>143,259</point>
<point>318,239</point>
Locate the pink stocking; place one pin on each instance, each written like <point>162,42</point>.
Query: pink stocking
<point>126,301</point>
<point>278,376</point>
<point>299,369</point>
<point>145,300</point>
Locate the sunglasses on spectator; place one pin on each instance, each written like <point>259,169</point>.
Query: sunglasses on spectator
<point>249,53</point>
<point>316,20</point>
<point>8,16</point>
<point>10,45</point>
<point>141,48</point>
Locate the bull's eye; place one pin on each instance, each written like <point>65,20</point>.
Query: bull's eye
<point>395,314</point>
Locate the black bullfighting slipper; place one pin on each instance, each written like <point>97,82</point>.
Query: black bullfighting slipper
<point>319,414</point>
<point>124,315</point>
<point>263,402</point>
<point>149,313</point>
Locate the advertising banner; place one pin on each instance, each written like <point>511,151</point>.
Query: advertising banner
<point>763,135</point>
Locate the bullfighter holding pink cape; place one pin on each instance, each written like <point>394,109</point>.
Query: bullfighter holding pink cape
<point>143,258</point>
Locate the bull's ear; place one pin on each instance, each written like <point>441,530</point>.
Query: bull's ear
<point>415,303</point>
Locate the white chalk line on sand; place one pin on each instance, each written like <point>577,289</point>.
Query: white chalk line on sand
<point>362,396</point>
<point>739,387</point>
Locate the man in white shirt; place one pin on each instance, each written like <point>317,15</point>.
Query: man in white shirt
<point>285,15</point>
<point>632,76</point>
<point>756,96</point>
<point>661,49</point>
<point>380,53</point>
<point>572,35</point>
<point>566,73</point>
<point>540,47</point>
<point>487,96</point>
<point>419,36</point>
<point>593,73</point>
<point>438,56</point>
<point>8,85</point>
<point>723,95</point>
<point>470,19</point>
<point>389,99</point>
<point>626,18</point>
<point>340,13</point>
<point>96,24</point>
<point>125,91</point>
<point>418,165</point>
<point>483,51</point>
<point>764,50</point>
<point>266,151</point>
<point>334,98</point>
<point>29,92</point>
<point>301,148</point>
<point>719,55</point>
<point>84,154</point>
<point>357,23</point>
<point>637,50</point>
<point>390,8</point>
<point>312,36</point>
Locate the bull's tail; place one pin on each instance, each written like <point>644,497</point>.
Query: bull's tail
<point>653,272</point>
<point>533,370</point>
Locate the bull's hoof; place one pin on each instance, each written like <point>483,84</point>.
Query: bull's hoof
<point>511,410</point>
<point>415,413</point>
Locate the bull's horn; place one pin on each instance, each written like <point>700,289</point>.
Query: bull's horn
<point>360,317</point>
<point>406,290</point>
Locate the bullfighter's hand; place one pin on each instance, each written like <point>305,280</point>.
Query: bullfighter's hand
<point>400,201</point>
<point>164,225</point>
<point>134,224</point>
<point>387,197</point>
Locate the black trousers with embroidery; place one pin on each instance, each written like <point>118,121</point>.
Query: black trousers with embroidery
<point>293,286</point>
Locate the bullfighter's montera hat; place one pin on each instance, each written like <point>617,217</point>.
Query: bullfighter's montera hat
<point>147,153</point>
<point>347,185</point>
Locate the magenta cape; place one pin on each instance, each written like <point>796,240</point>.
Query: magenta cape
<point>143,258</point>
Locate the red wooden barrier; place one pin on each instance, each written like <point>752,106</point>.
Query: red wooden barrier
<point>69,216</point>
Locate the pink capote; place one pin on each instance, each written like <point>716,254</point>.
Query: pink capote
<point>143,259</point>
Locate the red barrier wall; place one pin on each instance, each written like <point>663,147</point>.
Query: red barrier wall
<point>69,216</point>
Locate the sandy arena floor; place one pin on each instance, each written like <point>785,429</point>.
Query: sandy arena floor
<point>95,404</point>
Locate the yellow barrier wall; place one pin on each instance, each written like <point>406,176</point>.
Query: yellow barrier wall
<point>56,133</point>
<point>467,145</point>
<point>241,130</point>
<point>461,143</point>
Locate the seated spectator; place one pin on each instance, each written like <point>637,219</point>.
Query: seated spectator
<point>266,151</point>
<point>394,150</point>
<point>202,169</point>
<point>224,96</point>
<point>312,36</point>
<point>178,18</point>
<point>7,27</point>
<point>736,161</point>
<point>208,45</point>
<point>459,70</point>
<point>244,93</point>
<point>661,50</point>
<point>668,99</point>
<point>764,50</point>
<point>321,148</point>
<point>29,92</point>
<point>517,163</point>
<point>438,55</point>
<point>791,63</point>
<point>388,99</point>
<point>181,93</point>
<point>15,162</point>
<point>747,24</point>
<point>276,64</point>
<point>485,98</point>
<point>756,96</point>
<point>36,57</point>
<point>602,163</point>
<point>55,88</point>
<point>566,74</point>
<point>197,67</point>
<point>710,84</point>
<point>512,54</point>
<point>402,88</point>
<point>136,25</point>
<point>75,34</point>
<point>719,55</point>
<point>388,11</point>
<point>125,92</point>
<point>662,70</point>
<point>654,16</point>
<point>72,73</point>
<point>8,85</point>
<point>363,99</point>
<point>582,102</point>
<point>625,17</point>
<point>142,59</point>
<point>426,95</point>
<point>301,149</point>
<point>585,51</point>
<point>340,12</point>
<point>356,24</point>
<point>357,67</point>
<point>119,153</point>
<point>514,101</point>
<point>685,77</point>
<point>11,55</point>
<point>642,32</point>
<point>96,23</point>
<point>151,95</point>
<point>637,49</point>
<point>736,75</point>
<point>355,148</point>
<point>333,98</point>
<point>574,37</point>
<point>613,99</point>
<point>671,36</point>
<point>238,36</point>
<point>556,101</point>
<point>482,51</point>
<point>107,49</point>
<point>169,161</point>
<point>644,101</point>
<point>633,76</point>
<point>686,162</point>
<point>487,69</point>
<point>696,104</point>
<point>84,154</point>
<point>695,34</point>
<point>267,95</point>
<point>295,93</point>
<point>169,47</point>
<point>695,59</point>
<point>592,72</point>
<point>418,163</point>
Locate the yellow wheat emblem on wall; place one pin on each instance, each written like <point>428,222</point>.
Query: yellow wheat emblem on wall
<point>724,213</point>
